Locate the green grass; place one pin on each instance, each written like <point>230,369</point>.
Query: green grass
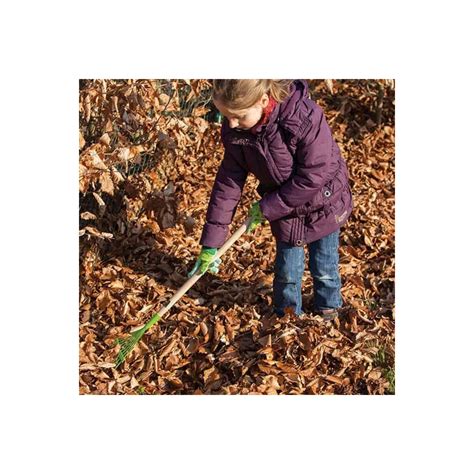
<point>371,304</point>
<point>389,374</point>
<point>382,360</point>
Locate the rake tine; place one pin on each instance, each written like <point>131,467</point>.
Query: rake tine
<point>126,347</point>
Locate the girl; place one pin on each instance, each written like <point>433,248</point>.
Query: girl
<point>273,130</point>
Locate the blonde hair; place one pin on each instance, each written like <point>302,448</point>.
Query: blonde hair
<point>239,94</point>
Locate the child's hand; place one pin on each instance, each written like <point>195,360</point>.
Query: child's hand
<point>257,217</point>
<point>204,262</point>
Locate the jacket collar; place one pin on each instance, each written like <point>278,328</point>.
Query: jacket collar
<point>267,112</point>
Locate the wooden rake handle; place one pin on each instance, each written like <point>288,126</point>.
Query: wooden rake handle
<point>189,283</point>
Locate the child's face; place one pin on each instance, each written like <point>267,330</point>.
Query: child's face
<point>246,118</point>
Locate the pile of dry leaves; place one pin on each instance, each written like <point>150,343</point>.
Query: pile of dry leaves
<point>139,234</point>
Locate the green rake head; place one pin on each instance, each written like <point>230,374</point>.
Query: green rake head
<point>126,345</point>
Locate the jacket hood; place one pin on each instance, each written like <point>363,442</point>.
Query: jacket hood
<point>298,92</point>
<point>289,112</point>
<point>285,111</point>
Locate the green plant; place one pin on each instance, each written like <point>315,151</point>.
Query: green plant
<point>389,374</point>
<point>371,304</point>
<point>383,360</point>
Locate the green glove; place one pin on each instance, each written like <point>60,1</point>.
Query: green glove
<point>257,217</point>
<point>204,263</point>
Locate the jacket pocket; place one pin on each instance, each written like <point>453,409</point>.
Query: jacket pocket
<point>305,209</point>
<point>311,206</point>
<point>325,197</point>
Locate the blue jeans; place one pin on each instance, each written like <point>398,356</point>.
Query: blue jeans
<point>324,268</point>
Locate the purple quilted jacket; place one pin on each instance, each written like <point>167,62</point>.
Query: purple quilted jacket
<point>303,178</point>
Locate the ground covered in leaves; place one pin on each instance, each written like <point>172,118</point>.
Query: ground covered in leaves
<point>147,166</point>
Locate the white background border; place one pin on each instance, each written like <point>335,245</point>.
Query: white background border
<point>47,46</point>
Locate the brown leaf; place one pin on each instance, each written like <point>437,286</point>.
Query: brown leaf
<point>106,183</point>
<point>167,220</point>
<point>82,142</point>
<point>375,374</point>
<point>88,216</point>
<point>204,329</point>
<point>333,378</point>
<point>105,139</point>
<point>189,224</point>
<point>96,160</point>
<point>103,300</point>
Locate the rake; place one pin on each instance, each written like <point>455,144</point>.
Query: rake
<point>126,345</point>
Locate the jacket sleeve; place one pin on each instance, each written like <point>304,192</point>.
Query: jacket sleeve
<point>225,196</point>
<point>315,165</point>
